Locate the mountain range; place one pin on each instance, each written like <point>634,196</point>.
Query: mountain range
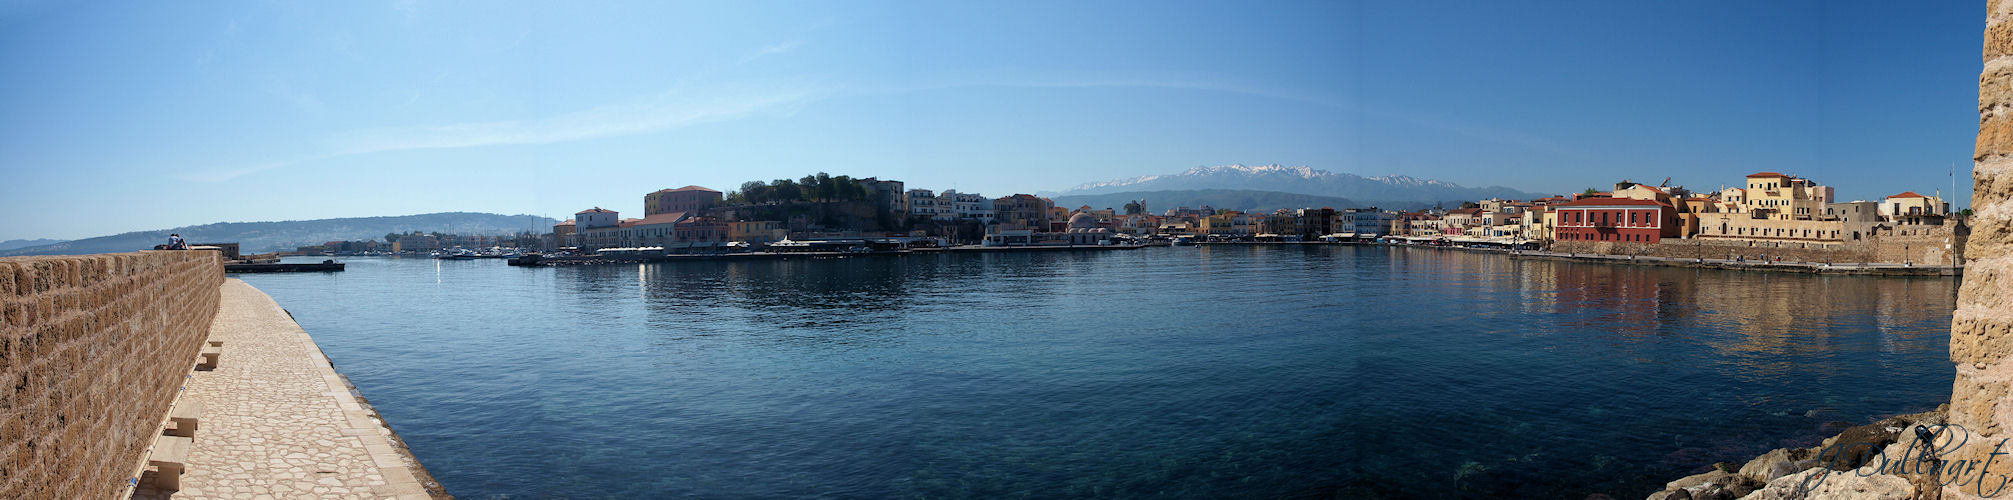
<point>1245,200</point>
<point>260,237</point>
<point>1383,191</point>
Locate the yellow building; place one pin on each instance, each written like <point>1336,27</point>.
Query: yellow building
<point>1776,196</point>
<point>1228,223</point>
<point>760,232</point>
<point>1909,203</point>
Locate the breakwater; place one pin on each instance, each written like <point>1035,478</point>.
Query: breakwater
<point>93,351</point>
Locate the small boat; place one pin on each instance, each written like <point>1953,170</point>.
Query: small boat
<point>1182,241</point>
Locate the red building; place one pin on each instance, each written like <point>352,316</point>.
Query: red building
<point>1614,219</point>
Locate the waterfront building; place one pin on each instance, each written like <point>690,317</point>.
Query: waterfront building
<point>892,197</point>
<point>1009,237</point>
<point>1457,222</point>
<point>562,233</point>
<point>1614,219</point>
<point>595,217</point>
<point>594,228</point>
<point>966,206</point>
<point>684,199</point>
<point>1230,224</point>
<point>922,203</point>
<point>1784,197</point>
<point>415,243</point>
<point>1313,223</point>
<point>1635,191</point>
<point>699,231</point>
<point>658,230</point>
<point>1058,218</point>
<point>1083,230</point>
<point>1778,210</point>
<point>1023,211</point>
<point>1366,222</point>
<point>755,232</point>
<point>1910,203</point>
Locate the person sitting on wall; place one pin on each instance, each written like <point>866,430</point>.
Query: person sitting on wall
<point>175,242</point>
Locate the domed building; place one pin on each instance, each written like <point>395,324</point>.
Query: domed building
<point>1083,230</point>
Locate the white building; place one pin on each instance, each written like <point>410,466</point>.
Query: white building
<point>967,206</point>
<point>1366,222</point>
<point>595,217</point>
<point>923,203</point>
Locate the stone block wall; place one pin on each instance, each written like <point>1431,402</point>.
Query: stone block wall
<point>92,351</point>
<point>1917,249</point>
<point>1981,332</point>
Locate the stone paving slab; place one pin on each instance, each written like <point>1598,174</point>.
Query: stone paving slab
<point>278,422</point>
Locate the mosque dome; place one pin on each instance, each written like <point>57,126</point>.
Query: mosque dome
<point>1082,221</point>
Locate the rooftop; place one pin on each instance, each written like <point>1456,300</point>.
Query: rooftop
<point>686,188</point>
<point>1609,202</point>
<point>1765,174</point>
<point>1908,194</point>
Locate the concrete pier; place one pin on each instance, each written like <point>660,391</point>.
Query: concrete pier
<point>279,422</point>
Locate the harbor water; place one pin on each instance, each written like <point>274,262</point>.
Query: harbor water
<point>1240,372</point>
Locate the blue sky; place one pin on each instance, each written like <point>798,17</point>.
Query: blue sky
<point>143,115</point>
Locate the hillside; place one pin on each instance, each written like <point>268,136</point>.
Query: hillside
<point>257,237</point>
<point>1222,199</point>
<point>13,244</point>
<point>1393,190</point>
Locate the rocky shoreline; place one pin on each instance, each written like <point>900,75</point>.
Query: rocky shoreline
<point>1877,461</point>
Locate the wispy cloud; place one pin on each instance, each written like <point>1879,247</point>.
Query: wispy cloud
<point>664,111</point>
<point>667,110</point>
<point>1167,80</point>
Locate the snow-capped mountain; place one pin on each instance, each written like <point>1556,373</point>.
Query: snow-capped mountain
<point>1386,189</point>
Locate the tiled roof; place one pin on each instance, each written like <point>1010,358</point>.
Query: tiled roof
<point>686,188</point>
<point>595,210</point>
<point>1765,174</point>
<point>1604,202</point>
<point>663,218</point>
<point>1909,194</point>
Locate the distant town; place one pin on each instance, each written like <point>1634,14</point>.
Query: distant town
<point>1765,210</point>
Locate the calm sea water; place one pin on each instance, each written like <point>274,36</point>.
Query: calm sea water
<point>1163,372</point>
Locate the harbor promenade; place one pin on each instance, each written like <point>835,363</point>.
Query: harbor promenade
<point>279,422</point>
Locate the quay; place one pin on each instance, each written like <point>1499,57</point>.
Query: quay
<point>152,375</point>
<point>277,420</point>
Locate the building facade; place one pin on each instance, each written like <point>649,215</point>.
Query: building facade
<point>1613,219</point>
<point>684,199</point>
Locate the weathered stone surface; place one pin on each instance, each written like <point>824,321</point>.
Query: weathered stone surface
<point>1976,339</point>
<point>90,360</point>
<point>1841,485</point>
<point>1778,463</point>
<point>1713,484</point>
<point>1857,446</point>
<point>1998,40</point>
<point>1973,402</point>
<point>1995,136</point>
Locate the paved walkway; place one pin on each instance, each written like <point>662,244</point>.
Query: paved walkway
<point>278,423</point>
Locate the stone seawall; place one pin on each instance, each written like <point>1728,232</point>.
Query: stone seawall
<point>93,350</point>
<point>1918,250</point>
